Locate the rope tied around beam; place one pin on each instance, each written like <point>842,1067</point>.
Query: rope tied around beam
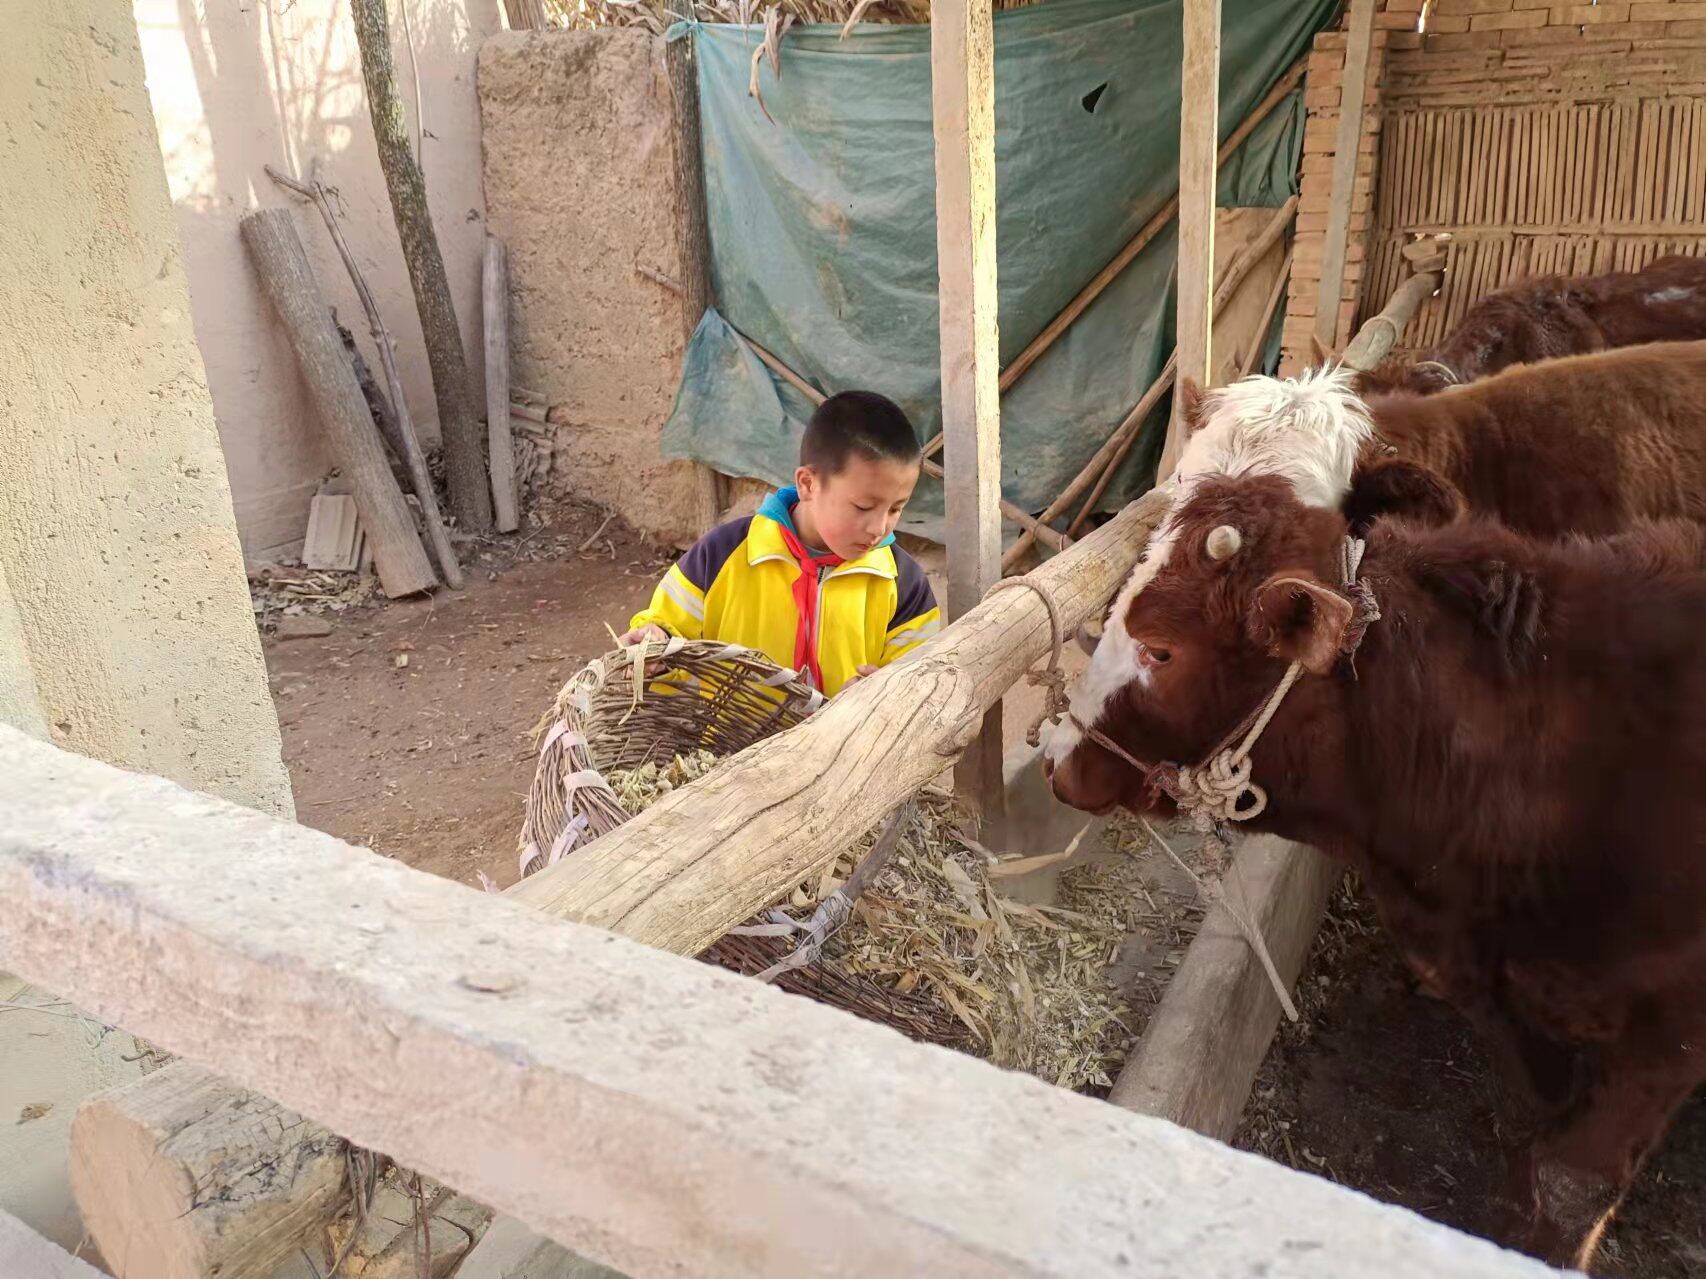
<point>1052,679</point>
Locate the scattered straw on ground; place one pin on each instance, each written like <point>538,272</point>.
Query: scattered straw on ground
<point>1031,984</point>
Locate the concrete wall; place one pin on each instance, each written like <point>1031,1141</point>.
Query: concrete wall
<point>580,181</point>
<point>125,625</point>
<point>239,86</point>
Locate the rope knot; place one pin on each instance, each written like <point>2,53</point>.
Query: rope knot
<point>1052,679</point>
<point>1220,791</point>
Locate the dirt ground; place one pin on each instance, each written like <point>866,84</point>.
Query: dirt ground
<point>429,759</point>
<point>432,760</point>
<point>1387,1091</point>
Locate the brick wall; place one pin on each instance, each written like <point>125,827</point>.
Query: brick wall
<point>1621,77</point>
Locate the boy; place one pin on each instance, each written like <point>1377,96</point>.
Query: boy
<point>814,579</point>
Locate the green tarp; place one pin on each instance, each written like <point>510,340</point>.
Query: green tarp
<point>823,226</point>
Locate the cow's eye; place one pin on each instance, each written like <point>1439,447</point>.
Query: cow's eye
<point>1160,656</point>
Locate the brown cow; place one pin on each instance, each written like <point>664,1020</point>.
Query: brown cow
<point>1584,444</point>
<point>1556,315</point>
<point>1511,758</point>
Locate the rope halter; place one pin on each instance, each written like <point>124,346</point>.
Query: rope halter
<point>1221,788</point>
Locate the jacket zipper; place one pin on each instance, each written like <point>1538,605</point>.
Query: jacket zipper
<point>816,628</point>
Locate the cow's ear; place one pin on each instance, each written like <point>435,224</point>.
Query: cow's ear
<point>1296,617</point>
<point>1191,398</point>
<point>1394,487</point>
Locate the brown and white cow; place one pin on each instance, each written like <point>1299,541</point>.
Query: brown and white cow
<point>1584,444</point>
<point>1511,758</point>
<point>1556,315</point>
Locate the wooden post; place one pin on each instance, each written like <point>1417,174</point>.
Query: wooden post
<point>693,237</point>
<point>458,420</point>
<point>1358,44</point>
<point>962,96</point>
<point>1199,126</point>
<point>494,295</point>
<point>288,281</point>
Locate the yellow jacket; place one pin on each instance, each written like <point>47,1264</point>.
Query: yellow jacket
<point>736,584</point>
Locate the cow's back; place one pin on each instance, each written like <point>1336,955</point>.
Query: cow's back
<point>1584,444</point>
<point>1663,302</point>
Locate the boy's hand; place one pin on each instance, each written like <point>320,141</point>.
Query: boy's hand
<point>859,673</point>
<point>650,631</point>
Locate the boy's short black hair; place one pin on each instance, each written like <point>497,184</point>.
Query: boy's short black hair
<point>857,422</point>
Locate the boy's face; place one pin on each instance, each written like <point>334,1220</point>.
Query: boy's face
<point>850,512</point>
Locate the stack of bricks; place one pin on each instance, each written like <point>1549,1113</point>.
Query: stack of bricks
<point>1323,85</point>
<point>1511,24</point>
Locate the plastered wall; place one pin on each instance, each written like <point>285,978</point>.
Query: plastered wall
<point>237,86</point>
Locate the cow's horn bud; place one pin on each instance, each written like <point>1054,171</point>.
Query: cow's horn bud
<point>1224,542</point>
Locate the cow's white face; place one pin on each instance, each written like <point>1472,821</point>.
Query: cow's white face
<point>1118,660</point>
<point>1308,430</point>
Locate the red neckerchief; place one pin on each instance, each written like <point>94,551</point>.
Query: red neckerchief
<point>805,602</point>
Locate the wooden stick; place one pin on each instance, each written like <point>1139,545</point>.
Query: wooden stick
<point>1199,116</point>
<point>1127,255</point>
<point>1248,364</point>
<point>413,454</point>
<point>1049,537</point>
<point>288,281</point>
<point>1346,146</point>
<point>494,296</point>
<point>693,237</point>
<point>1233,276</point>
<point>1118,443</point>
<point>458,424</point>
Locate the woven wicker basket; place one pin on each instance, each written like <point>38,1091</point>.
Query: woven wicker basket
<point>694,695</point>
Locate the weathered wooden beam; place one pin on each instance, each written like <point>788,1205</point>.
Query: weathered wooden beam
<point>962,99</point>
<point>1199,127</point>
<point>650,1111</point>
<point>692,236</point>
<point>1359,45</point>
<point>1202,1048</point>
<point>710,855</point>
<point>1380,333</point>
<point>500,445</point>
<point>351,437</point>
<point>168,1187</point>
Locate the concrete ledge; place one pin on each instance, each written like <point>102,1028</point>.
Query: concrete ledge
<point>644,1110</point>
<point>26,1255</point>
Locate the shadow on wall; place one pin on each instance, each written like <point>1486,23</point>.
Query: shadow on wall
<point>237,87</point>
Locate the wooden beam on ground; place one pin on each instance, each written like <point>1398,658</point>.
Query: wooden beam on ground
<point>693,237</point>
<point>962,98</point>
<point>650,1111</point>
<point>346,423</point>
<point>494,297</point>
<point>1199,127</point>
<point>1202,1048</point>
<point>1359,43</point>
